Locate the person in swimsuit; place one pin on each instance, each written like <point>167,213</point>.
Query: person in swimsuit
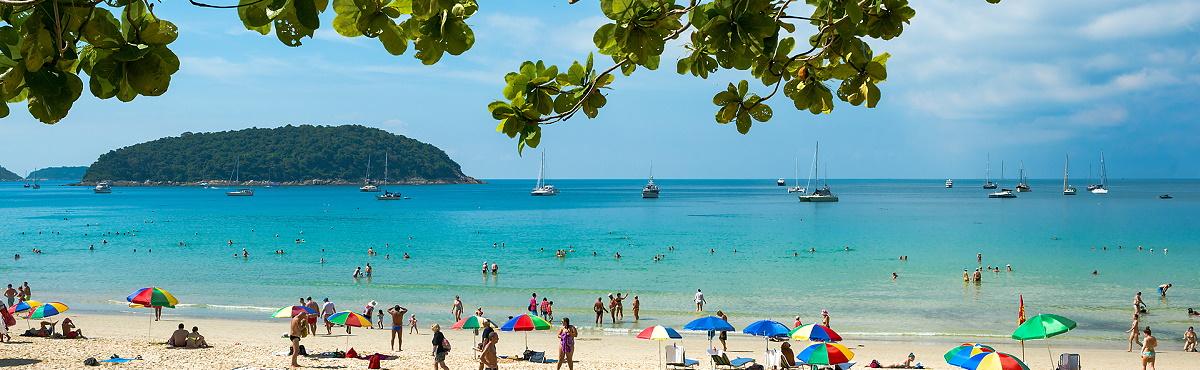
<point>566,344</point>
<point>328,309</point>
<point>825,318</point>
<point>456,309</point>
<point>294,333</point>
<point>1139,306</point>
<point>1148,346</point>
<point>487,357</point>
<point>11,294</point>
<point>1133,332</point>
<point>412,325</point>
<point>723,335</point>
<point>397,335</point>
<point>599,308</point>
<point>699,301</point>
<point>312,319</point>
<point>1189,340</point>
<point>1162,289</point>
<point>636,306</point>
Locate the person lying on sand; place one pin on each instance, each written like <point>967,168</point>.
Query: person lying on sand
<point>178,337</point>
<point>45,329</point>
<point>195,340</point>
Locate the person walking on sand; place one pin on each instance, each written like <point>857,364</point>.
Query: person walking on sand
<point>599,308</point>
<point>328,309</point>
<point>1133,332</point>
<point>412,325</point>
<point>298,330</point>
<point>369,311</point>
<point>456,309</point>
<point>397,336</point>
<point>312,319</point>
<point>700,301</point>
<point>487,353</point>
<point>1148,346</point>
<point>441,347</point>
<point>636,306</point>
<point>723,335</point>
<point>566,344</point>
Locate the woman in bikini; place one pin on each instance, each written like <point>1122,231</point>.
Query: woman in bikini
<point>1133,332</point>
<point>1189,340</point>
<point>1148,346</point>
<point>566,344</point>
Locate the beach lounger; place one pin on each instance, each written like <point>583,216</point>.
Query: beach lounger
<point>1068,361</point>
<point>677,359</point>
<point>772,359</point>
<point>722,361</point>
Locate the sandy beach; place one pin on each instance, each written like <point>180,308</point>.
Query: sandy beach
<point>257,344</point>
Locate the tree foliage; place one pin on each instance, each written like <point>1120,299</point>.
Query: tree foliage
<point>285,154</point>
<point>74,173</point>
<point>6,175</point>
<point>812,51</point>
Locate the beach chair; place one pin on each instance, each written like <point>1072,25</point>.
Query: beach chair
<point>1068,361</point>
<point>772,359</point>
<point>722,361</point>
<point>677,359</point>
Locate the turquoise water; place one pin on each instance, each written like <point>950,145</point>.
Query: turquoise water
<point>449,231</point>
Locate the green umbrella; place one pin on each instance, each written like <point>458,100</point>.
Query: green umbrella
<point>1041,327</point>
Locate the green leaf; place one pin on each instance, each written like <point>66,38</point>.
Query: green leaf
<point>854,11</point>
<point>159,32</point>
<point>743,122</point>
<point>872,93</point>
<point>346,20</point>
<point>761,112</point>
<point>51,94</point>
<point>151,75</point>
<point>726,97</point>
<point>290,32</point>
<point>393,39</point>
<point>306,13</point>
<point>877,71</point>
<point>727,113</point>
<point>742,88</point>
<point>37,48</point>
<point>103,30</point>
<point>253,14</point>
<point>401,6</point>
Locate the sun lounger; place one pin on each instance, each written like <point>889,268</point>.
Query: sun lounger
<point>677,359</point>
<point>722,361</point>
<point>1068,361</point>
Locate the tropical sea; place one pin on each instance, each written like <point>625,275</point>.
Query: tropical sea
<point>760,266</point>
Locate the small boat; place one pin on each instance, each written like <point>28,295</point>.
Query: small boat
<point>1003,193</point>
<point>1165,196</point>
<point>781,182</point>
<point>387,195</point>
<point>1102,187</point>
<point>949,183</point>
<point>241,193</point>
<point>823,194</point>
<point>368,187</point>
<point>36,185</point>
<point>1023,184</point>
<point>204,184</point>
<point>797,188</point>
<point>988,184</point>
<point>1068,189</point>
<point>651,190</point>
<point>542,189</point>
<point>103,187</point>
<point>26,184</point>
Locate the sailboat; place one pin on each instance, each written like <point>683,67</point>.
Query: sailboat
<point>237,179</point>
<point>542,189</point>
<point>26,183</point>
<point>36,185</point>
<point>1002,193</point>
<point>1067,188</point>
<point>949,183</point>
<point>651,190</point>
<point>823,194</point>
<point>387,195</point>
<point>988,184</point>
<point>797,188</point>
<point>1023,181</point>
<point>368,187</point>
<point>1102,187</point>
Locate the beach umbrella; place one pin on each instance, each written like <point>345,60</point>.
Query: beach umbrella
<point>349,318</point>
<point>525,323</point>
<point>47,310</point>
<point>825,354</point>
<point>292,311</point>
<point>958,356</point>
<point>815,333</point>
<point>767,329</point>
<point>994,361</point>
<point>23,306</point>
<point>709,323</point>
<point>153,297</point>
<point>470,322</point>
<point>1042,327</point>
<point>659,333</point>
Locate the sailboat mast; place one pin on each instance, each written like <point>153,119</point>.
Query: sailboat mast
<point>541,170</point>
<point>988,178</point>
<point>385,168</point>
<point>1103,170</point>
<point>1066,171</point>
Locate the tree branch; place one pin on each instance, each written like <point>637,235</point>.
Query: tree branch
<point>203,5</point>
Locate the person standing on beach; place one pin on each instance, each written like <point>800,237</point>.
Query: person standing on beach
<point>312,319</point>
<point>1148,346</point>
<point>456,308</point>
<point>566,344</point>
<point>397,335</point>
<point>440,348</point>
<point>1133,332</point>
<point>533,305</point>
<point>724,335</point>
<point>327,310</point>
<point>1162,289</point>
<point>636,306</point>
<point>700,301</point>
<point>26,292</point>
<point>825,318</point>
<point>619,303</point>
<point>612,308</point>
<point>599,308</point>
<point>297,331</point>
<point>11,294</point>
<point>487,356</point>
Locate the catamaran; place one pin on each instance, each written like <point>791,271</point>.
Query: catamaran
<point>823,194</point>
<point>1023,181</point>
<point>1102,187</point>
<point>988,184</point>
<point>651,190</point>
<point>1067,188</point>
<point>103,188</point>
<point>237,179</point>
<point>368,187</point>
<point>542,189</point>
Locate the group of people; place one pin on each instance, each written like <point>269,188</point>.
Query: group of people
<point>545,309</point>
<point>615,308</point>
<point>181,338</point>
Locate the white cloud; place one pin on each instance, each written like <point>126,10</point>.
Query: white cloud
<point>1151,19</point>
<point>226,70</point>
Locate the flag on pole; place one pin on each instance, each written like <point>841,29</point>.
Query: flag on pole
<point>1021,310</point>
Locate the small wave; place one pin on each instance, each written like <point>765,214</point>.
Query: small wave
<point>211,306</point>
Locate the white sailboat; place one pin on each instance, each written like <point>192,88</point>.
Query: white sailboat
<point>651,190</point>
<point>1067,188</point>
<point>1102,187</point>
<point>368,187</point>
<point>542,189</point>
<point>387,195</point>
<point>1023,181</point>
<point>237,179</point>
<point>797,188</point>
<point>987,183</point>
<point>822,194</point>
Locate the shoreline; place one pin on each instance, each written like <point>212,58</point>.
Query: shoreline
<point>255,343</point>
<point>311,182</point>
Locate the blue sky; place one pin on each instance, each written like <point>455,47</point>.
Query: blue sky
<point>1022,80</point>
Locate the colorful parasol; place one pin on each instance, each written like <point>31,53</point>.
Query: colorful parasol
<point>994,361</point>
<point>815,333</point>
<point>525,322</point>
<point>23,306</point>
<point>659,332</point>
<point>825,354</point>
<point>469,322</point>
<point>349,318</point>
<point>292,311</point>
<point>958,356</point>
<point>47,310</point>
<point>151,296</point>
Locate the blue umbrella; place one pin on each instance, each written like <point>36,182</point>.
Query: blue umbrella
<point>709,323</point>
<point>766,328</point>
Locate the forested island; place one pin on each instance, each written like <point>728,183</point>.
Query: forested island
<point>6,175</point>
<point>74,173</point>
<point>288,155</point>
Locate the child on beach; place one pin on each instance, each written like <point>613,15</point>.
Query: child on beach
<point>412,325</point>
<point>379,320</point>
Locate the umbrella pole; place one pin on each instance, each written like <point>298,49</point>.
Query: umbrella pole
<point>660,357</point>
<point>1049,354</point>
<point>1022,349</point>
<point>526,341</point>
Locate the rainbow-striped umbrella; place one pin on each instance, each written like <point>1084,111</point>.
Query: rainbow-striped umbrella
<point>47,310</point>
<point>292,311</point>
<point>958,356</point>
<point>154,297</point>
<point>994,361</point>
<point>659,333</point>
<point>825,354</point>
<point>815,333</point>
<point>23,306</point>
<point>349,318</point>
<point>526,323</point>
<point>469,322</point>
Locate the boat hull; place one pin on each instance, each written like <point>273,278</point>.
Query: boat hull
<point>818,199</point>
<point>649,194</point>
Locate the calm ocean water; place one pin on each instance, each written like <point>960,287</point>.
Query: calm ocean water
<point>449,232</point>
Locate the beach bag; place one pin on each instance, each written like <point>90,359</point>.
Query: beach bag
<point>91,361</point>
<point>350,353</point>
<point>445,345</point>
<point>874,364</point>
<point>303,331</point>
<point>303,352</point>
<point>374,362</point>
